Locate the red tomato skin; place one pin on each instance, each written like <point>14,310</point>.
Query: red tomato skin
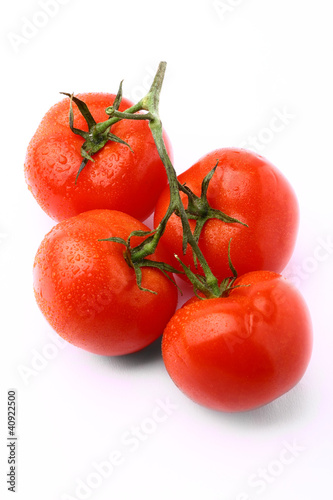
<point>118,179</point>
<point>88,293</point>
<point>248,187</point>
<point>243,351</point>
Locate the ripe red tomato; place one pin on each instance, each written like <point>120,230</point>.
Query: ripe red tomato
<point>249,188</point>
<point>87,291</point>
<point>119,179</point>
<point>242,351</point>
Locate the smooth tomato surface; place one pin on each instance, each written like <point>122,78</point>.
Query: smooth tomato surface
<point>242,351</point>
<point>118,179</point>
<point>87,291</point>
<point>249,188</point>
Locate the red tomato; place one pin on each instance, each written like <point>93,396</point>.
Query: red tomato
<point>249,188</point>
<point>119,179</point>
<point>87,291</point>
<point>242,351</point>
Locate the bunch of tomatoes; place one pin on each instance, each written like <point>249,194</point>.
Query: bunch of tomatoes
<point>99,165</point>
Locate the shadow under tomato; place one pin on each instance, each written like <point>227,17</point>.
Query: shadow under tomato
<point>293,407</point>
<point>148,355</point>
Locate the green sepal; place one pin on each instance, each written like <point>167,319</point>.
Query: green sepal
<point>99,133</point>
<point>115,138</point>
<point>84,110</point>
<point>199,209</point>
<point>119,96</point>
<point>136,266</point>
<point>197,281</point>
<point>217,214</point>
<point>83,164</point>
<point>115,239</point>
<point>138,275</point>
<point>164,268</point>
<point>206,181</point>
<point>233,270</point>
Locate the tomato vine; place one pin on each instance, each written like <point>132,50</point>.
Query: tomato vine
<point>198,208</point>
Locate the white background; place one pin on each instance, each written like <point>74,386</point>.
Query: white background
<point>232,66</point>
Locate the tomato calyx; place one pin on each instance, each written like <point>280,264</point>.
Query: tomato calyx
<point>137,265</point>
<point>99,133</point>
<point>201,285</point>
<point>198,208</point>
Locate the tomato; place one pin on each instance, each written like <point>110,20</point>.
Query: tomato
<point>242,351</point>
<point>87,291</point>
<point>118,179</point>
<point>246,187</point>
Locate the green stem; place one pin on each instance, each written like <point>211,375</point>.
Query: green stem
<point>151,103</point>
<point>175,201</point>
<point>103,126</point>
<point>99,134</point>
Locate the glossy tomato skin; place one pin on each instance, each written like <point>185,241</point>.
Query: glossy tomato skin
<point>118,179</point>
<point>242,351</point>
<point>245,186</point>
<point>87,291</point>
